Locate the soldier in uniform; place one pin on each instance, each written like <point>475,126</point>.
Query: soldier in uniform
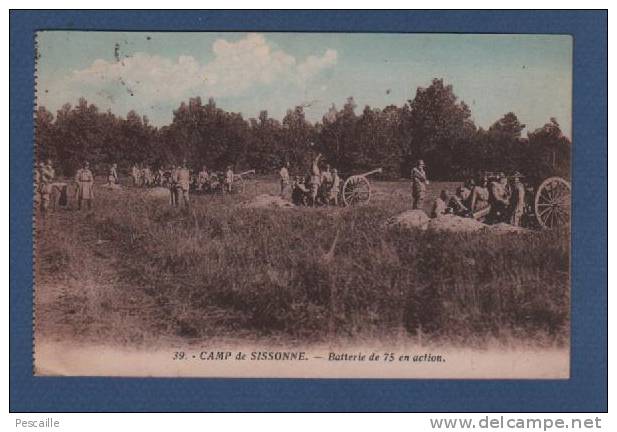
<point>440,206</point>
<point>229,179</point>
<point>479,199</point>
<point>202,178</point>
<point>146,174</point>
<point>85,182</point>
<point>335,187</point>
<point>112,179</point>
<point>457,203</point>
<point>299,193</point>
<point>135,175</point>
<point>47,177</point>
<point>183,183</point>
<point>517,202</point>
<point>284,174</point>
<point>419,182</point>
<point>499,199</point>
<point>171,183</point>
<point>315,179</point>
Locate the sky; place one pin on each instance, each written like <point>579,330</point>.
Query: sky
<point>152,73</point>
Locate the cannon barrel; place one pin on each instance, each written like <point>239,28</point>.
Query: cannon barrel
<point>252,171</point>
<point>366,174</point>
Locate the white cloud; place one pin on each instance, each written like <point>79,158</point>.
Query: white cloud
<point>236,67</point>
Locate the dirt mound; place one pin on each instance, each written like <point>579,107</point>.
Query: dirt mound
<point>408,220</point>
<point>158,193</point>
<point>267,201</point>
<point>453,223</point>
<point>504,228</point>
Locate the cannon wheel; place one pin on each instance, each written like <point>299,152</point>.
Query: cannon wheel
<point>356,190</point>
<point>552,202</point>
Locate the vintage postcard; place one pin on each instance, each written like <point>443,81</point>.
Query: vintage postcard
<point>319,205</point>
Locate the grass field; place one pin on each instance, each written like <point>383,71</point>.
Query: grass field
<point>136,271</point>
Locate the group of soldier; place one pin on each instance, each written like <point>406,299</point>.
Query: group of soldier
<point>491,197</point>
<point>45,182</point>
<point>319,187</point>
<point>180,180</point>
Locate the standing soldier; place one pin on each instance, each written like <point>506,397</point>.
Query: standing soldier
<point>419,183</point>
<point>112,179</point>
<point>479,199</point>
<point>499,199</point>
<point>183,183</point>
<point>335,188</point>
<point>47,177</point>
<point>284,174</point>
<point>517,203</point>
<point>146,174</point>
<point>202,178</point>
<point>171,183</point>
<point>315,179</point>
<point>135,175</point>
<point>229,179</point>
<point>85,183</point>
<point>326,175</point>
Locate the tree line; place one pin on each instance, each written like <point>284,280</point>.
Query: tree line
<point>435,126</point>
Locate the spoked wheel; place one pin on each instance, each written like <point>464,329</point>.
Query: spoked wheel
<point>356,190</point>
<point>552,203</point>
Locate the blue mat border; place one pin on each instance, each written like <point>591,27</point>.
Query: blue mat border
<point>586,390</point>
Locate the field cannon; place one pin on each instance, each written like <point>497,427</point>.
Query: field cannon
<point>217,185</point>
<point>357,188</point>
<point>547,203</point>
<point>238,184</point>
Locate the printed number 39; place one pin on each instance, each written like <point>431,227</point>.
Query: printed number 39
<point>179,355</point>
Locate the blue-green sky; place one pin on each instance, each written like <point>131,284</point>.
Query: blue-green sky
<point>152,73</point>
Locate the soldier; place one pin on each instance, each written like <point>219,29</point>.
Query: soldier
<point>419,182</point>
<point>326,175</point>
<point>440,206</point>
<point>284,174</point>
<point>202,178</point>
<point>335,187</point>
<point>517,203</point>
<point>112,179</point>
<point>85,182</point>
<point>315,180</point>
<point>183,183</point>
<point>172,183</point>
<point>457,203</point>
<point>467,188</point>
<point>299,192</point>
<point>479,199</point>
<point>135,175</point>
<point>229,179</point>
<point>47,177</point>
<point>146,174</point>
<point>499,199</point>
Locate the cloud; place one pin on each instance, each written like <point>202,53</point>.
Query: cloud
<point>236,67</point>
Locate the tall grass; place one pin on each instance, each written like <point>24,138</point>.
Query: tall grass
<point>220,269</point>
